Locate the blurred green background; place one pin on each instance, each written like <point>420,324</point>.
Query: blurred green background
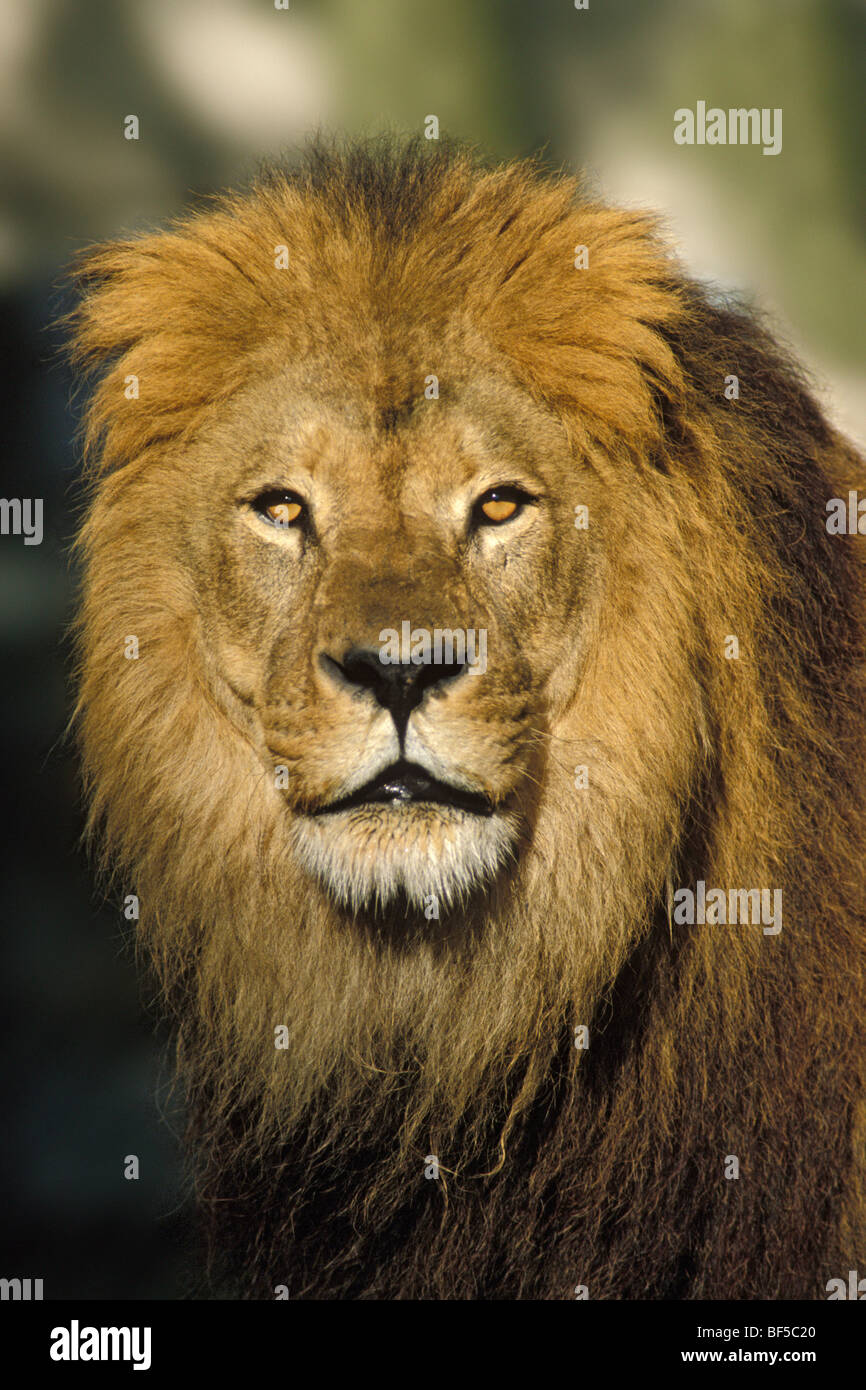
<point>217,85</point>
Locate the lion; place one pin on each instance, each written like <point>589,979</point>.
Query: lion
<point>470,692</point>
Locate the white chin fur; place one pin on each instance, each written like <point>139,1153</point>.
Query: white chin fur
<point>367,856</point>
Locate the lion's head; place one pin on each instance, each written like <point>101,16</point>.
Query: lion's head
<point>421,526</point>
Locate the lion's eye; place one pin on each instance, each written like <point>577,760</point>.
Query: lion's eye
<point>500,504</point>
<point>278,507</point>
<point>499,508</point>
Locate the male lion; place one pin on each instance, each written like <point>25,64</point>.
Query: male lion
<point>471,691</point>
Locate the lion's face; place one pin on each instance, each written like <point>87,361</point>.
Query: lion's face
<point>375,660</point>
<point>386,608</point>
<point>428,560</point>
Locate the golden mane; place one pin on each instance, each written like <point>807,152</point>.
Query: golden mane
<point>559,1166</point>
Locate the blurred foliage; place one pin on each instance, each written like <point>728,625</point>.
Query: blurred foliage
<point>218,84</point>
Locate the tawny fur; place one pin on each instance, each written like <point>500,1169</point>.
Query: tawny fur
<point>559,1167</point>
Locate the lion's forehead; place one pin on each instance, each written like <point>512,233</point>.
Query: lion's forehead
<point>424,436</point>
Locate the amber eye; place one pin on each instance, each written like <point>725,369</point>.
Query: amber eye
<point>499,509</point>
<point>282,513</point>
<point>500,504</point>
<point>278,507</point>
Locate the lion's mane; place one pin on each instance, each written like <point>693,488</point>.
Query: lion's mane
<point>559,1166</point>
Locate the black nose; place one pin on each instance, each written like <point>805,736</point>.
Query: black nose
<point>398,686</point>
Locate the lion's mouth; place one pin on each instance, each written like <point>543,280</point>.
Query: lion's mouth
<point>405,782</point>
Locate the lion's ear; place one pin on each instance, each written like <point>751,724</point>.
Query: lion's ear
<point>162,322</point>
<point>590,333</point>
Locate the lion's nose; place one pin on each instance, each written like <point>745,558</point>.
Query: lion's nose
<point>399,687</point>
